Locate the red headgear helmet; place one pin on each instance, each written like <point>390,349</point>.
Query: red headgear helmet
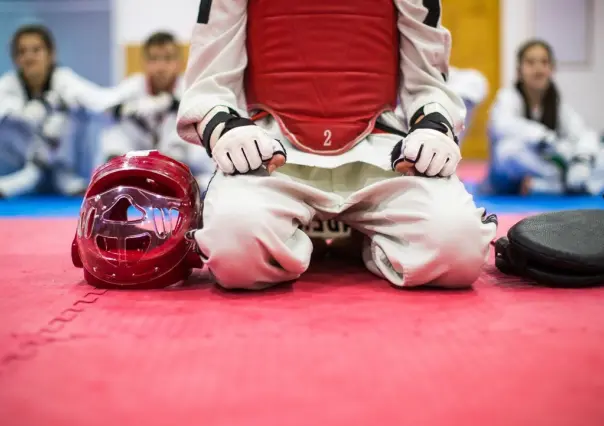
<point>133,224</point>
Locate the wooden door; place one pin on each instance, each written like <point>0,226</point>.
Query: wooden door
<point>474,25</point>
<point>134,58</point>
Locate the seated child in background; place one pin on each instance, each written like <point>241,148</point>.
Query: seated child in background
<point>146,114</point>
<point>37,104</point>
<point>538,143</point>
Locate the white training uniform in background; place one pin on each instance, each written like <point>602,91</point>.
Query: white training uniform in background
<point>520,147</point>
<point>470,85</point>
<point>146,121</point>
<point>34,132</point>
<point>420,230</point>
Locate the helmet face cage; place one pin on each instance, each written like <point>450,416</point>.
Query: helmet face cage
<point>132,234</point>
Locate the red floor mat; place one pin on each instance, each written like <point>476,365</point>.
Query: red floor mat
<point>337,348</point>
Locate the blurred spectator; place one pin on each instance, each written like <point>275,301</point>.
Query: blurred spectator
<point>37,105</point>
<point>146,115</point>
<point>538,142</point>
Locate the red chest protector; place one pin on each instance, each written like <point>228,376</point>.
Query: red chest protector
<point>324,69</point>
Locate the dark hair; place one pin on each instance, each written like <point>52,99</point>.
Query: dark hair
<point>551,98</point>
<point>159,38</point>
<point>39,30</point>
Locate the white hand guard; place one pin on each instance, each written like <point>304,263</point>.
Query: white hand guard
<point>148,106</point>
<point>244,149</point>
<point>430,145</point>
<point>34,112</point>
<point>54,126</point>
<point>237,145</point>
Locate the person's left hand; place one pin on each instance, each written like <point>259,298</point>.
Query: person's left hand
<point>430,152</point>
<point>430,147</point>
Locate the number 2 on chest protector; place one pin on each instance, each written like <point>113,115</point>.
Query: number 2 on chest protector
<point>327,134</point>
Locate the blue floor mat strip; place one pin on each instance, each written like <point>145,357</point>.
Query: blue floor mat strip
<point>536,203</point>
<point>41,207</point>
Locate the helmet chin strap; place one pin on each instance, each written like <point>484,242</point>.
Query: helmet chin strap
<point>194,257</point>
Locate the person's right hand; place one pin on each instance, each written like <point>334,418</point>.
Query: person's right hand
<point>244,149</point>
<point>34,113</point>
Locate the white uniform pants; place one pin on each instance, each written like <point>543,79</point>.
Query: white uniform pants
<point>419,230</point>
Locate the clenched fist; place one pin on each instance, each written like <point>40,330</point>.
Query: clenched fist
<point>237,145</point>
<point>431,147</point>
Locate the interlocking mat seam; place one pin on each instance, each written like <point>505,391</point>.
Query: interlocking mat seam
<point>29,345</point>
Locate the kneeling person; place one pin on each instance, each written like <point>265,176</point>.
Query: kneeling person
<point>38,102</point>
<point>312,149</point>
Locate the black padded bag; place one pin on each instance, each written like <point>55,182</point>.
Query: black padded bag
<point>557,249</point>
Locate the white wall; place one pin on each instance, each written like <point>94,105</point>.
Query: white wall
<point>581,85</point>
<point>135,20</point>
